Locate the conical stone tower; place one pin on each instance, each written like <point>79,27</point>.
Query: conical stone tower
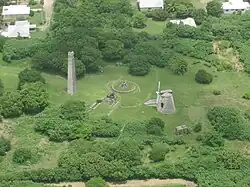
<point>165,103</point>
<point>71,74</point>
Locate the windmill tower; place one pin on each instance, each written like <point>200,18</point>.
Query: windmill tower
<point>165,100</point>
<point>71,74</point>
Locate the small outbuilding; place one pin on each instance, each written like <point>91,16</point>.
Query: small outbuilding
<point>146,4</point>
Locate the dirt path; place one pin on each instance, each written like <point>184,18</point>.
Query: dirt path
<point>48,10</point>
<point>138,183</point>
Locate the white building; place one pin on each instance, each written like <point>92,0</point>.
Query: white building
<point>187,21</point>
<point>14,11</point>
<point>20,29</point>
<point>150,4</point>
<point>235,5</point>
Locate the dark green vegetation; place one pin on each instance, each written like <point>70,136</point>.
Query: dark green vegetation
<point>53,136</point>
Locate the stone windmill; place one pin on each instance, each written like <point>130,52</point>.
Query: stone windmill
<point>71,74</point>
<point>164,101</point>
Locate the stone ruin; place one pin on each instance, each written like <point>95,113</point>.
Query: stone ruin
<point>164,101</point>
<point>181,130</point>
<point>110,98</point>
<point>124,85</point>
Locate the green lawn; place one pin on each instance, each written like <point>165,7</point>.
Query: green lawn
<point>191,99</point>
<point>37,18</point>
<point>153,27</point>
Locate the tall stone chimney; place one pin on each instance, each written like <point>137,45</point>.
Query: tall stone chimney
<point>71,74</point>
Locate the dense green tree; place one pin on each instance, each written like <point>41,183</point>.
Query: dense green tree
<point>91,57</point>
<point>113,50</point>
<point>184,10</point>
<point>22,155</point>
<point>126,150</point>
<point>159,15</point>
<point>214,8</point>
<point>105,127</point>
<point>73,110</point>
<point>213,139</point>
<point>5,146</point>
<point>228,121</point>
<point>139,20</point>
<point>199,15</point>
<point>11,104</point>
<point>178,65</point>
<point>138,65</point>
<point>158,152</point>
<point>197,127</point>
<point>35,97</point>
<point>96,182</point>
<point>29,76</point>
<point>203,77</point>
<point>155,126</point>
<point>1,87</point>
<point>230,160</point>
<point>2,41</point>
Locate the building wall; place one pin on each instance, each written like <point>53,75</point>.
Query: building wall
<point>233,10</point>
<point>15,16</point>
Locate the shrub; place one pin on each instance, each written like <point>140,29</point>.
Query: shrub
<point>178,65</point>
<point>158,152</point>
<point>139,20</point>
<point>32,2</point>
<point>228,121</point>
<point>247,114</point>
<point>29,76</point>
<point>216,92</point>
<point>1,88</point>
<point>246,96</point>
<point>159,15</point>
<point>96,182</point>
<point>105,127</point>
<point>34,98</point>
<point>139,66</point>
<point>155,126</point>
<point>32,13</point>
<point>11,104</point>
<point>73,110</point>
<point>213,139</point>
<point>22,155</point>
<point>203,77</point>
<point>5,146</point>
<point>197,127</point>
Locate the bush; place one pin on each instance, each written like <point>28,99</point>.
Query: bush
<point>22,155</point>
<point>246,96</point>
<point>216,92</point>
<point>139,20</point>
<point>73,110</point>
<point>178,65</point>
<point>32,2</point>
<point>35,97</point>
<point>247,114</point>
<point>158,152</point>
<point>203,77</point>
<point>139,66</point>
<point>213,140</point>
<point>5,146</point>
<point>228,121</point>
<point>32,13</point>
<point>159,15</point>
<point>155,126</point>
<point>197,127</point>
<point>105,127</point>
<point>11,104</point>
<point>1,88</point>
<point>96,182</point>
<point>29,76</point>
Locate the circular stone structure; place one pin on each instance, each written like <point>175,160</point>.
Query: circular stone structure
<point>123,86</point>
